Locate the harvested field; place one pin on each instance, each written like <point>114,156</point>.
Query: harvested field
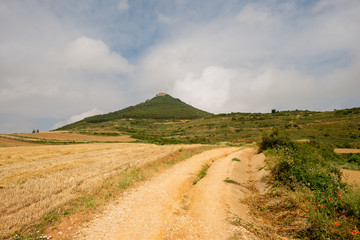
<point>67,136</point>
<point>351,176</point>
<point>38,179</point>
<point>6,142</point>
<point>346,150</point>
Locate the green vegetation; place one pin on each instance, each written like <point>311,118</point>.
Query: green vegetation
<point>340,128</point>
<point>274,138</point>
<point>227,180</point>
<point>309,174</point>
<point>201,174</point>
<point>159,107</point>
<point>354,158</point>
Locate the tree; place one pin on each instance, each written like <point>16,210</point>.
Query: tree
<point>274,111</point>
<point>37,131</point>
<point>33,131</point>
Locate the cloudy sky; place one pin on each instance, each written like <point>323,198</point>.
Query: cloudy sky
<point>64,60</point>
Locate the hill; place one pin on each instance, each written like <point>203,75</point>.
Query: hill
<point>339,128</point>
<point>162,106</point>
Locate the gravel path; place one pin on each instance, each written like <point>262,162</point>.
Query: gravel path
<point>170,207</point>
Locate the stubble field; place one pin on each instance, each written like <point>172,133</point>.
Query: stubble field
<point>68,137</point>
<point>7,142</point>
<point>35,180</point>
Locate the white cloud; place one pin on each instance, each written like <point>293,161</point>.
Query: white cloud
<point>49,72</point>
<point>123,5</point>
<point>218,89</point>
<point>77,72</point>
<point>77,117</point>
<point>181,2</point>
<point>324,4</point>
<point>253,14</point>
<point>249,56</point>
<point>278,59</point>
<point>94,55</point>
<point>208,91</point>
<point>165,19</point>
<point>269,87</point>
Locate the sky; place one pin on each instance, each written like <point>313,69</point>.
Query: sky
<point>61,61</point>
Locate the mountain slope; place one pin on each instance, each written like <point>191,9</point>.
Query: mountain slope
<point>162,106</point>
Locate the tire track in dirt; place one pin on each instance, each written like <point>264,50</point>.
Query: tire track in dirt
<point>170,207</point>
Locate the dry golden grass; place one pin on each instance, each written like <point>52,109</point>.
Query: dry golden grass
<point>67,136</point>
<point>5,142</point>
<point>346,150</point>
<point>37,180</point>
<point>351,176</point>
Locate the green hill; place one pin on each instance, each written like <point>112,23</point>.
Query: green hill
<point>162,106</point>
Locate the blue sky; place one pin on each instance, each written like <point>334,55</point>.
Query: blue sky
<point>61,61</point>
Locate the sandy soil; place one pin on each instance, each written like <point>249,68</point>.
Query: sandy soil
<point>351,176</point>
<point>66,136</point>
<point>171,207</point>
<point>346,150</point>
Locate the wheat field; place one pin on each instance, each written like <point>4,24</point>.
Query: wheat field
<point>68,136</point>
<point>6,142</point>
<point>35,180</point>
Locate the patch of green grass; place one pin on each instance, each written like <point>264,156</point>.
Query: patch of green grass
<point>68,211</point>
<point>236,160</point>
<point>231,181</point>
<point>236,222</point>
<point>88,201</point>
<point>201,174</point>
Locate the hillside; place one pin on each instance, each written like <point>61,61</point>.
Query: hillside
<point>162,106</point>
<point>340,128</point>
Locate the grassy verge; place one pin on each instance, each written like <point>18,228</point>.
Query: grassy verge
<point>308,199</point>
<point>109,190</point>
<point>201,174</point>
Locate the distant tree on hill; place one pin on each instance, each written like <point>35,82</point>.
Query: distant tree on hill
<point>274,111</point>
<point>37,131</point>
<point>33,131</point>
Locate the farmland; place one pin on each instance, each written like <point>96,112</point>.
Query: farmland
<point>61,137</point>
<point>49,175</point>
<point>37,180</point>
<point>8,142</point>
<point>340,128</point>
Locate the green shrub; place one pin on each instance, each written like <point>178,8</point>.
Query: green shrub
<point>333,209</point>
<point>274,138</point>
<point>355,158</point>
<point>308,166</point>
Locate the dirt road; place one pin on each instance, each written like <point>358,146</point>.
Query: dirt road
<point>171,207</point>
